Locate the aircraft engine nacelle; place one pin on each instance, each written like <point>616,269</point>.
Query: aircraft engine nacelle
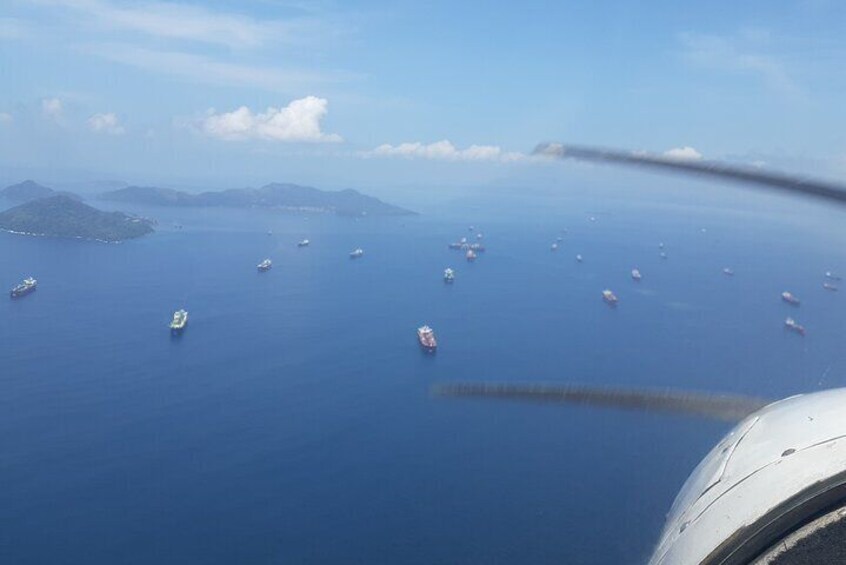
<point>772,491</point>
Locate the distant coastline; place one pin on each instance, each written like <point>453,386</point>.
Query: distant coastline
<point>275,196</point>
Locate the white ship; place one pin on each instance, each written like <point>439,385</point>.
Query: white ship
<point>636,274</point>
<point>609,297</point>
<point>356,253</point>
<point>789,298</point>
<point>791,324</point>
<point>179,321</point>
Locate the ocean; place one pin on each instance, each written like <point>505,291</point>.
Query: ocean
<point>292,421</point>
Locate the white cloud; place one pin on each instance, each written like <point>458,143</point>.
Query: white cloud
<point>742,53</point>
<point>12,28</point>
<point>52,108</point>
<point>683,153</point>
<point>6,118</point>
<point>106,123</point>
<point>170,20</point>
<point>297,122</point>
<point>206,70</point>
<point>444,150</point>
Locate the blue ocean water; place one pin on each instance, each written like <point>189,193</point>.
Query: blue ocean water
<point>292,421</point>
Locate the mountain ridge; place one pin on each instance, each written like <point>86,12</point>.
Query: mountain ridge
<point>61,215</point>
<point>347,202</point>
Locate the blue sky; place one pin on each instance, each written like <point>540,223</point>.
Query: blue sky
<point>399,93</point>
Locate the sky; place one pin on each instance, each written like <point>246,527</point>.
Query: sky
<point>337,94</point>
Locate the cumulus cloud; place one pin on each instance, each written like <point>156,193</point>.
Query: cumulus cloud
<point>683,153</point>
<point>299,121</point>
<point>106,123</point>
<point>52,108</point>
<point>444,150</point>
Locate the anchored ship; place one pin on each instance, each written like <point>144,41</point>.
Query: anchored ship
<point>554,246</point>
<point>728,272</point>
<point>426,337</point>
<point>265,265</point>
<point>636,275</point>
<point>579,258</point>
<point>471,255</point>
<point>789,298</point>
<point>829,286</point>
<point>791,325</point>
<point>179,321</point>
<point>609,297</point>
<point>832,276</point>
<point>449,275</point>
<point>356,253</point>
<point>455,245</point>
<point>303,243</point>
<point>28,285</point>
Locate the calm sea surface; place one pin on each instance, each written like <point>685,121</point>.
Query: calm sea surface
<point>292,421</point>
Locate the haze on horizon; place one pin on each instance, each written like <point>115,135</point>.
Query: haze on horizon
<point>398,94</point>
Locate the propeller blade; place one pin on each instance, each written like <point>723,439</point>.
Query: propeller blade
<point>770,179</point>
<point>724,407</point>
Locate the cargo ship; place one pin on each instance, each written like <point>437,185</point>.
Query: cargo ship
<point>356,253</point>
<point>179,321</point>
<point>264,265</point>
<point>832,276</point>
<point>829,286</point>
<point>449,275</point>
<point>791,325</point>
<point>789,298</point>
<point>471,255</point>
<point>426,337</point>
<point>303,243</point>
<point>28,285</point>
<point>636,274</point>
<point>609,297</point>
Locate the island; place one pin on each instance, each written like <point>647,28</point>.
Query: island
<point>29,190</point>
<point>289,197</point>
<point>64,216</point>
